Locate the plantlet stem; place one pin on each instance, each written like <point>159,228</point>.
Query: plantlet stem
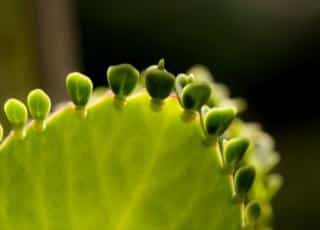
<point>19,133</point>
<point>81,111</point>
<point>156,104</point>
<point>243,214</point>
<point>39,125</point>
<point>119,102</point>
<point>215,141</point>
<point>188,115</point>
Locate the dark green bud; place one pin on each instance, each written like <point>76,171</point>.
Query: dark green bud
<point>39,104</point>
<point>217,120</point>
<point>79,88</point>
<point>244,179</point>
<point>122,79</point>
<point>159,83</point>
<point>253,212</point>
<point>203,74</point>
<point>16,113</point>
<point>234,150</point>
<point>182,81</point>
<point>195,95</point>
<point>142,80</point>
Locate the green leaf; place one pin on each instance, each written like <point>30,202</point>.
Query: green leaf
<point>115,169</point>
<point>128,164</point>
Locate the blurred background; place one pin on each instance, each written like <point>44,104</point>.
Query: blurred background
<point>267,51</point>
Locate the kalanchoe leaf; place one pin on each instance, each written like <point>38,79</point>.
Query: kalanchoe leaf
<point>122,79</point>
<point>244,179</point>
<point>79,88</point>
<point>39,104</point>
<point>155,146</point>
<point>195,95</point>
<point>234,150</point>
<point>253,212</point>
<point>16,113</point>
<point>217,120</point>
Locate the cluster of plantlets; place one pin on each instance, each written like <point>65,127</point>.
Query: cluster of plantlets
<point>137,156</point>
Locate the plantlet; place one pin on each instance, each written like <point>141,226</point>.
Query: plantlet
<point>135,158</point>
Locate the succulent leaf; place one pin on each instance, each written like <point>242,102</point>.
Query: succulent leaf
<point>103,180</point>
<point>136,167</point>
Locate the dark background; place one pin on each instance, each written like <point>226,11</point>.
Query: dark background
<point>267,51</point>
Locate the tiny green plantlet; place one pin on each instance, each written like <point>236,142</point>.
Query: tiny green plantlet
<point>234,150</point>
<point>159,82</point>
<point>79,88</point>
<point>153,152</point>
<point>39,105</point>
<point>122,79</point>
